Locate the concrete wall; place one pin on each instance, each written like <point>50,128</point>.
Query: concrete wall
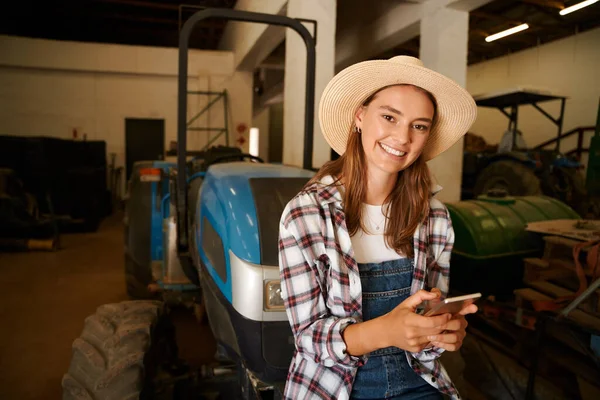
<point>51,87</point>
<point>239,108</point>
<point>262,122</point>
<point>569,66</point>
<point>241,37</point>
<point>276,133</point>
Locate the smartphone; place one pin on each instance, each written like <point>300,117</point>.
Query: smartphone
<point>452,305</point>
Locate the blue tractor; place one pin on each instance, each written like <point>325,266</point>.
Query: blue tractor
<point>521,171</point>
<point>143,221</point>
<point>202,233</point>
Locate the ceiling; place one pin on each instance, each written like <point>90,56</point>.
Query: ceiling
<point>134,22</point>
<point>545,25</point>
<point>156,23</point>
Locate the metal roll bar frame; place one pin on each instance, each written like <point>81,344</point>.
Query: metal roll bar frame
<point>184,36</point>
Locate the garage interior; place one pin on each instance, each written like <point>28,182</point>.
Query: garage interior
<point>91,201</point>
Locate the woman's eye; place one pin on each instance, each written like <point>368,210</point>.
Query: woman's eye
<point>389,118</point>
<point>421,127</point>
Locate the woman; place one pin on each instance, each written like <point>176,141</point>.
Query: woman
<point>365,242</point>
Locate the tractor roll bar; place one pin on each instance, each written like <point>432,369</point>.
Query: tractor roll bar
<point>184,36</point>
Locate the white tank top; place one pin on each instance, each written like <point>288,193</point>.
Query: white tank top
<point>370,247</point>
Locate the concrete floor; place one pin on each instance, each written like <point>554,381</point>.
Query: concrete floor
<point>45,298</point>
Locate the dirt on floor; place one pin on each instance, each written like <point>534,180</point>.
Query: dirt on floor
<point>47,295</point>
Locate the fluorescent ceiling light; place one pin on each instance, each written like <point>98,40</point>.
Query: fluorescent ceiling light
<point>507,32</point>
<point>577,6</point>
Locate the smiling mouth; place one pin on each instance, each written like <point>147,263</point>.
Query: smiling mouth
<point>391,150</point>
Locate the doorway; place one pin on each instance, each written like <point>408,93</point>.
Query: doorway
<point>144,141</point>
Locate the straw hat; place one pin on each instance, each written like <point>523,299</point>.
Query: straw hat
<point>456,109</point>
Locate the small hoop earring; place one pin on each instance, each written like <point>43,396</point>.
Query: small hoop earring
<point>357,130</point>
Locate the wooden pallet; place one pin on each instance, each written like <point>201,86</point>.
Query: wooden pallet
<point>557,247</point>
<point>554,275</point>
<point>566,341</point>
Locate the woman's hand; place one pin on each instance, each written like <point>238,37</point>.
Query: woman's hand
<point>409,331</point>
<point>455,332</point>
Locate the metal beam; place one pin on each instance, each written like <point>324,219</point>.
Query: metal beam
<point>92,14</point>
<point>144,4</point>
<point>134,18</point>
<point>502,18</point>
<point>550,13</point>
<point>546,114</point>
<point>496,17</point>
<point>503,111</point>
<point>547,3</point>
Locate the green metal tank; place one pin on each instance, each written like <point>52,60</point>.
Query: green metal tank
<point>491,241</point>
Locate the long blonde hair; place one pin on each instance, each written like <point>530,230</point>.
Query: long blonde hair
<point>408,201</point>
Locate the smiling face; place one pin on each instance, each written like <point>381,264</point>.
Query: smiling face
<point>395,127</point>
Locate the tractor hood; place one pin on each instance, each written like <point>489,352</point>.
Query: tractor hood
<point>244,201</point>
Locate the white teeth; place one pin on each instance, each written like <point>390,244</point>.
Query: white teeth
<point>392,151</point>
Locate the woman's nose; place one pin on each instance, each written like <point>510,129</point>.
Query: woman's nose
<point>402,133</point>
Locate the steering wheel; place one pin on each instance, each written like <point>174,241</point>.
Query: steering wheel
<point>239,157</point>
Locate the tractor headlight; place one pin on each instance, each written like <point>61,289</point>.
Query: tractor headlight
<point>273,299</point>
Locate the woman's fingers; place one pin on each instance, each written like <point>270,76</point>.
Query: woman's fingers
<point>419,321</point>
<point>422,295</point>
<point>450,338</point>
<point>447,346</point>
<point>470,309</point>
<point>418,341</point>
<point>456,323</point>
<point>430,331</point>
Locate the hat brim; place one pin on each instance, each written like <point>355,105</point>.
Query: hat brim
<point>456,109</point>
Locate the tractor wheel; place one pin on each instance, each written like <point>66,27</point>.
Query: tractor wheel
<point>118,352</point>
<point>137,279</point>
<point>513,177</point>
<point>568,185</point>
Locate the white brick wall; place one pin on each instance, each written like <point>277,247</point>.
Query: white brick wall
<point>51,87</point>
<point>569,66</point>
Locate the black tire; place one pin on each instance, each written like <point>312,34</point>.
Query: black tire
<point>512,176</point>
<point>568,185</point>
<point>118,352</point>
<point>137,279</point>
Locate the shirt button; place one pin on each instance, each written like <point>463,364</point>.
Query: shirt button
<point>433,379</point>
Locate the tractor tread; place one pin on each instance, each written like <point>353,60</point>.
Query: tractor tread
<point>522,180</point>
<point>108,358</point>
<point>73,390</point>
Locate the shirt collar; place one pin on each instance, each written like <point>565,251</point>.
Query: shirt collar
<point>328,192</point>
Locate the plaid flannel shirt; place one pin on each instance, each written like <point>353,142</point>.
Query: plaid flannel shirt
<point>321,290</point>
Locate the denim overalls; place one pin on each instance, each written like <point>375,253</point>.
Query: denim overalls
<point>386,374</point>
